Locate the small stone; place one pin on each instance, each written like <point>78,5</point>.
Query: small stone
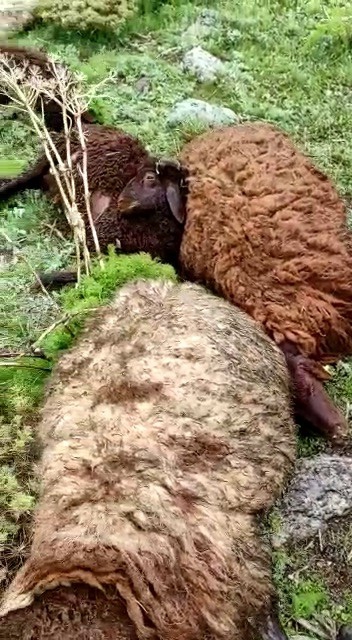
<point>321,489</point>
<point>203,64</point>
<point>345,633</point>
<point>201,111</point>
<point>8,257</point>
<point>143,85</point>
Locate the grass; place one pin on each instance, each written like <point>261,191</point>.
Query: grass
<point>314,579</point>
<point>288,63</point>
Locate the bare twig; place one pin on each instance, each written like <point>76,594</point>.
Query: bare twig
<point>63,320</point>
<point>53,229</point>
<point>27,88</point>
<point>36,353</point>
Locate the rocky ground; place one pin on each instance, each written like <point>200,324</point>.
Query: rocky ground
<point>175,73</point>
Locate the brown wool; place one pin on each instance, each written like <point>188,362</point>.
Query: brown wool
<point>166,431</point>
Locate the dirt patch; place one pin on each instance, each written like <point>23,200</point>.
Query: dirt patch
<point>329,556</point>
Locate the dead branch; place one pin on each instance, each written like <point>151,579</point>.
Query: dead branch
<point>36,353</point>
<point>67,317</point>
<point>26,87</point>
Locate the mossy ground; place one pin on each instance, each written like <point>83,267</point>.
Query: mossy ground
<point>289,63</point>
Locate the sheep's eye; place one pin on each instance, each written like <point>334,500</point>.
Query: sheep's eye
<point>149,179</point>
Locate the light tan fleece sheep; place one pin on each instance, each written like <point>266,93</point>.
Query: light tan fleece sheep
<point>166,430</point>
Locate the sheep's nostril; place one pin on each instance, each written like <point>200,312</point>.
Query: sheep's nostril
<point>125,205</point>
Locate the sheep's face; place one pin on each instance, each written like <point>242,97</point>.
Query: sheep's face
<point>159,186</point>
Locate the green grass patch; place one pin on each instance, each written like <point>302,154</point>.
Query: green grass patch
<point>98,288</point>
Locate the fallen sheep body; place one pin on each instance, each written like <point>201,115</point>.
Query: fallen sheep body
<point>267,230</point>
<point>114,157</point>
<point>166,432</point>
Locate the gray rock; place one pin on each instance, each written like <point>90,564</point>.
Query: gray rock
<point>203,64</point>
<point>321,489</point>
<point>345,633</point>
<point>143,85</point>
<point>201,111</point>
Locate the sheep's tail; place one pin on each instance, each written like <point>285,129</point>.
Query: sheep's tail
<point>30,179</point>
<point>54,279</point>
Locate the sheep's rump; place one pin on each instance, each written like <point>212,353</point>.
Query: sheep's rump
<point>166,430</point>
<point>273,234</point>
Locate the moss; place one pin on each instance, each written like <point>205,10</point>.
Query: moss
<point>85,15</point>
<point>17,489</point>
<point>98,288</point>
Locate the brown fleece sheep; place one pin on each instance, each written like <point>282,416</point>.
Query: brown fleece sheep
<point>266,230</point>
<point>166,432</point>
<point>114,157</point>
<point>35,59</point>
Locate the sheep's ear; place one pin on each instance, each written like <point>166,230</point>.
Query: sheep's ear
<point>99,202</point>
<point>175,201</point>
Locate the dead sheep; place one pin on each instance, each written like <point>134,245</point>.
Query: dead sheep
<point>36,60</point>
<point>166,431</point>
<point>266,230</point>
<point>114,157</point>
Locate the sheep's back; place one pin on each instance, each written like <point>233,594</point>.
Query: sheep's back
<point>271,228</point>
<point>166,429</point>
<point>170,358</point>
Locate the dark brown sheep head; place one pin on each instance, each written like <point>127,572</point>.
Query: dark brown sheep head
<point>159,185</point>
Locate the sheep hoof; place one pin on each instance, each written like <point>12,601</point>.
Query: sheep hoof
<point>344,633</point>
<point>273,630</point>
<point>312,402</point>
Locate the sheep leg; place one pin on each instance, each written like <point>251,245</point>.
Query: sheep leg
<point>312,402</point>
<point>273,629</point>
<point>54,279</point>
<point>30,179</point>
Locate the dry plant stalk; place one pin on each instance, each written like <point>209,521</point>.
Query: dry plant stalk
<point>26,87</point>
